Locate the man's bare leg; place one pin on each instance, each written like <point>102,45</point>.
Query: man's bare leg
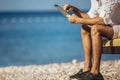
<point>96,32</point>
<point>86,42</point>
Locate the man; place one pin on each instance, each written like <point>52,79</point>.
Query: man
<point>103,19</point>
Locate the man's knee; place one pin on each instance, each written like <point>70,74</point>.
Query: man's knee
<point>95,30</point>
<point>85,30</point>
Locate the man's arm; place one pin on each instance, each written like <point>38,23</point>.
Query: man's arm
<point>82,17</point>
<point>87,21</point>
<point>78,12</point>
<point>90,21</point>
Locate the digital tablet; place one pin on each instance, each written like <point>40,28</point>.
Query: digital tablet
<point>62,10</point>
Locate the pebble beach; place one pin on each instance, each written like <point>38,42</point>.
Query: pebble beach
<point>57,71</point>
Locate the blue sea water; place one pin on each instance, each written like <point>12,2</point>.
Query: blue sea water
<point>28,38</point>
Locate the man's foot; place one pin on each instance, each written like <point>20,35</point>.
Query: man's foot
<point>79,74</point>
<point>90,76</point>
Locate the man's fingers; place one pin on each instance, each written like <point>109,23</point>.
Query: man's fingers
<point>67,7</point>
<point>74,15</point>
<point>68,16</point>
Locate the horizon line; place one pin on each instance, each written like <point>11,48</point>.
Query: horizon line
<point>34,11</point>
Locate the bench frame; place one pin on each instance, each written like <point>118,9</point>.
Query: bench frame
<point>111,50</point>
<point>111,46</point>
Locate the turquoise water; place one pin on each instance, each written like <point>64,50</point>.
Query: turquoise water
<point>39,38</point>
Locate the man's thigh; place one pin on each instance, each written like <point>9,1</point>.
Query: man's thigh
<point>106,31</point>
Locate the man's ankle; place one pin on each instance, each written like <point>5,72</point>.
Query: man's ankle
<point>86,69</point>
<point>94,72</point>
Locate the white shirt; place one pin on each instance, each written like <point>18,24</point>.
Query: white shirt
<point>109,10</point>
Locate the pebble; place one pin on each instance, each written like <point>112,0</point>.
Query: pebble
<point>57,71</point>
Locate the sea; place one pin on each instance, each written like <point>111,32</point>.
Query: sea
<point>37,38</point>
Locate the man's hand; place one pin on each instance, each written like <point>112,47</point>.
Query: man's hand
<point>68,7</point>
<point>73,19</point>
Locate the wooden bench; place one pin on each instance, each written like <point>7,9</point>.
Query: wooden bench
<point>112,46</point>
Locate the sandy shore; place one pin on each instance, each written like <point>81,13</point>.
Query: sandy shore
<point>110,70</point>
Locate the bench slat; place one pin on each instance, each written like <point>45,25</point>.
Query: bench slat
<point>111,50</point>
<point>112,46</point>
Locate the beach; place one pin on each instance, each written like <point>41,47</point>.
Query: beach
<point>57,71</point>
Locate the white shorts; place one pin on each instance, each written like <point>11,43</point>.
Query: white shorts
<point>116,29</point>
